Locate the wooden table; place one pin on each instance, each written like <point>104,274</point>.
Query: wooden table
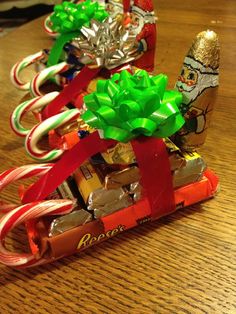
<point>184,263</point>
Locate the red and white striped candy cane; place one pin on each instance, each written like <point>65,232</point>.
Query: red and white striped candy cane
<point>47,27</point>
<point>20,215</point>
<point>41,129</point>
<point>25,212</point>
<point>28,106</point>
<point>46,74</point>
<point>14,174</point>
<point>23,172</point>
<point>20,66</point>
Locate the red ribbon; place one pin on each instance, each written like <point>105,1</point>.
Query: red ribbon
<point>69,162</point>
<point>156,178</point>
<point>153,163</point>
<point>79,83</point>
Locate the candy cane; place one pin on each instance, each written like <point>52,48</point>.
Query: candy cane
<point>24,172</point>
<point>43,128</point>
<point>20,215</point>
<point>46,74</point>
<point>20,66</point>
<point>47,27</point>
<point>28,106</point>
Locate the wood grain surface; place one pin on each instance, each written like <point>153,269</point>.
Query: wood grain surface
<point>183,263</point>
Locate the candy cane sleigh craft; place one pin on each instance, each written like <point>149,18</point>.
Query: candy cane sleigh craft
<point>47,248</point>
<point>115,61</point>
<point>127,206</point>
<point>69,30</point>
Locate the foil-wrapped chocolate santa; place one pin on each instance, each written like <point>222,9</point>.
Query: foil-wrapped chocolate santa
<point>143,24</point>
<point>198,82</point>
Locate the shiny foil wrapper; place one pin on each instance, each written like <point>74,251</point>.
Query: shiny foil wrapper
<point>198,82</point>
<point>191,172</point>
<point>69,221</point>
<point>104,202</point>
<point>206,49</point>
<point>135,190</point>
<point>122,178</point>
<point>107,44</point>
<point>122,154</point>
<point>176,158</point>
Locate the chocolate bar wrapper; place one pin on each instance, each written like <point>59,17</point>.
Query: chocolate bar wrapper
<point>82,237</point>
<point>87,180</point>
<point>121,178</point>
<point>105,202</point>
<point>191,172</point>
<point>123,154</point>
<point>69,221</point>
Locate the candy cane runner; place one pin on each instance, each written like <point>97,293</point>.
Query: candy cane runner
<point>46,74</point>
<point>20,173</point>
<point>29,106</point>
<point>20,66</point>
<point>22,214</point>
<point>41,129</point>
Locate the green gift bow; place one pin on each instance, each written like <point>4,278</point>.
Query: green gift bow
<point>68,19</point>
<point>127,106</point>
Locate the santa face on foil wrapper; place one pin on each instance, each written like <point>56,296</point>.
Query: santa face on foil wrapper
<point>193,80</point>
<point>198,81</point>
<point>143,26</point>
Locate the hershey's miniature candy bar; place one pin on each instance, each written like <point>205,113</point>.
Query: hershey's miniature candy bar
<point>175,157</point>
<point>104,202</point>
<point>122,154</point>
<point>121,178</point>
<point>191,172</point>
<point>69,221</point>
<point>87,180</point>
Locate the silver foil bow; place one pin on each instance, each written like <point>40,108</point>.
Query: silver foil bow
<point>107,44</point>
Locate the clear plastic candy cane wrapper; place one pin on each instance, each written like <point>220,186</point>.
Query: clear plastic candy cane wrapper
<point>135,160</point>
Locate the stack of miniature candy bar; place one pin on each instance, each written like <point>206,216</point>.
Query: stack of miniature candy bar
<point>125,168</point>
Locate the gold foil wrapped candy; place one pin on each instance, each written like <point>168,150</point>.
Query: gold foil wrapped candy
<point>198,82</point>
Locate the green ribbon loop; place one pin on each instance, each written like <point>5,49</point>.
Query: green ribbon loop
<point>127,106</point>
<point>68,19</point>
